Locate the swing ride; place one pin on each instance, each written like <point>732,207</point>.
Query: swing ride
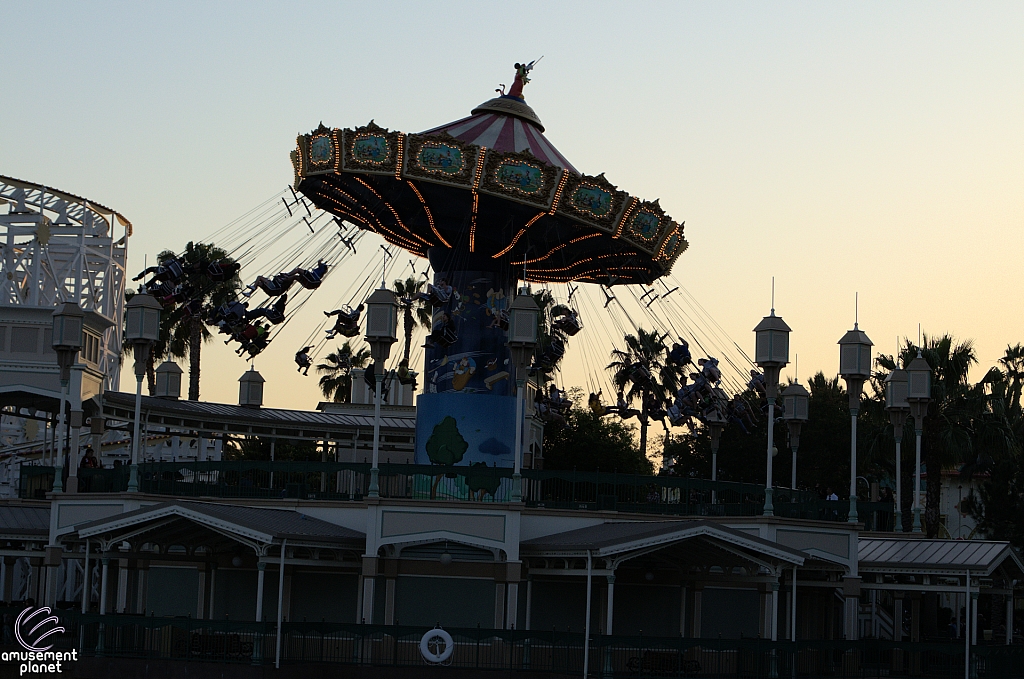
<point>489,202</point>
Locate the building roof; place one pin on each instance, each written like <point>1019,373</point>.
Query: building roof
<point>260,524</point>
<point>618,537</point>
<point>953,557</point>
<point>208,416</point>
<point>24,521</point>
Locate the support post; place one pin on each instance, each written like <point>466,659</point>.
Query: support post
<point>280,604</point>
<point>369,581</point>
<point>792,609</point>
<point>517,477</point>
<point>917,475</point>
<point>769,508</point>
<point>852,516</point>
<point>610,616</point>
<point>58,477</point>
<point>1009,614</point>
<point>697,591</point>
<point>133,474</point>
<point>104,573</point>
<point>898,512</point>
<point>586,636</point>
<point>897,617</point>
<point>260,575</point>
<point>529,600</point>
<point>968,621</point>
<point>378,376</point>
<point>86,579</point>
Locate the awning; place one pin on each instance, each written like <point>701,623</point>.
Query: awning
<point>213,525</point>
<point>941,557</point>
<point>705,542</point>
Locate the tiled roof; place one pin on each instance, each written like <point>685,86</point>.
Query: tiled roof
<point>954,556</point>
<point>22,520</point>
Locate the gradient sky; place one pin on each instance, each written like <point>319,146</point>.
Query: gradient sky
<point>841,147</point>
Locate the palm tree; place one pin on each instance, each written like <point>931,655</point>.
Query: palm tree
<point>336,372</point>
<point>187,333</point>
<point>415,311</point>
<point>646,349</point>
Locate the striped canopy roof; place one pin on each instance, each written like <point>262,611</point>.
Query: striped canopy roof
<point>504,124</point>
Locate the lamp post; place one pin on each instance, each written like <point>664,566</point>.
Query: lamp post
<point>855,368</point>
<point>522,341</point>
<point>898,407</point>
<point>381,333</point>
<point>68,319</point>
<point>771,354</point>
<point>919,394</point>
<point>716,421</point>
<point>142,329</point>
<point>795,400</point>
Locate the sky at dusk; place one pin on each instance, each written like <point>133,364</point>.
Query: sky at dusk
<point>843,147</point>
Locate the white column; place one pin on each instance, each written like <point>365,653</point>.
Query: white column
<point>897,619</point>
<point>512,607</point>
<point>586,632</point>
<point>261,567</point>
<point>142,589</point>
<point>608,629</point>
<point>499,605</point>
<point>104,572</point>
<point>974,617</point>
<point>529,601</point>
<point>682,610</point>
<point>775,611</point>
<point>122,586</point>
<point>213,584</point>
<point>696,612</point>
<point>389,601</point>
<point>368,584</point>
<point>1009,616</point>
<point>201,596</point>
<point>792,609</point>
<point>86,579</point>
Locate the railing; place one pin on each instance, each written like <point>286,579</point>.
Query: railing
<point>125,636</point>
<point>667,495</point>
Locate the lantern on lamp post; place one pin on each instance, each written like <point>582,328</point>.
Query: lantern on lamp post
<point>795,400</point>
<point>381,333</point>
<point>523,315</point>
<point>142,329</point>
<point>855,369</point>
<point>919,395</point>
<point>771,355</point>
<point>68,321</point>
<point>168,380</point>
<point>898,407</point>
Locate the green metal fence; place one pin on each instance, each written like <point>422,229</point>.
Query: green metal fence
<point>667,495</point>
<point>551,652</point>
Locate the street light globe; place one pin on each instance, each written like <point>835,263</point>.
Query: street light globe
<point>771,350</point>
<point>795,400</point>
<point>919,379</point>
<point>896,391</point>
<point>142,318</point>
<point>381,323</point>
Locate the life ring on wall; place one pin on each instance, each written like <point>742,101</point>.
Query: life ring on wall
<point>432,638</point>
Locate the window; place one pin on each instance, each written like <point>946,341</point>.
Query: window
<point>24,340</point>
<point>90,348</point>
